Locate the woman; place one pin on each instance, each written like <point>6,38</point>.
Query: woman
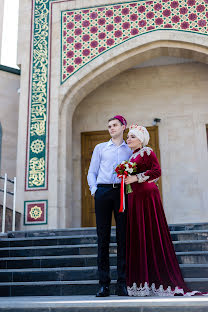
<point>152,267</point>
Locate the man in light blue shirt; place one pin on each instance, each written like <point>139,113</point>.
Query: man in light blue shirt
<point>105,187</point>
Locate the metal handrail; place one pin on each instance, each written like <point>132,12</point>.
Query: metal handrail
<point>6,179</point>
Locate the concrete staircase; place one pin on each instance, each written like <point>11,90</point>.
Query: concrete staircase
<point>63,262</point>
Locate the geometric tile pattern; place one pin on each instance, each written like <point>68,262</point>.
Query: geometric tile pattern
<point>90,32</point>
<point>35,212</point>
<point>86,34</point>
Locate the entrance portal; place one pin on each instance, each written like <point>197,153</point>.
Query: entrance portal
<point>89,140</point>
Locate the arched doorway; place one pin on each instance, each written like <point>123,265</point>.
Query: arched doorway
<point>78,98</point>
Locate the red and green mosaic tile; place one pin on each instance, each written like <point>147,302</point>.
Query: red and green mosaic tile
<point>89,32</point>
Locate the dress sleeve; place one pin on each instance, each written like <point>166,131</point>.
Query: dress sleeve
<point>154,172</point>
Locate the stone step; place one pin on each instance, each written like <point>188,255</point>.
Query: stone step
<point>72,288</point>
<point>194,257</point>
<point>92,230</point>
<point>90,239</point>
<point>87,249</point>
<point>113,304</point>
<point>82,273</point>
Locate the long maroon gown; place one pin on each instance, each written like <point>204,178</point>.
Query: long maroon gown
<point>151,266</point>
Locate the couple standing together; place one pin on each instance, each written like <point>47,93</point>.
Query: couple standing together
<point>146,260</point>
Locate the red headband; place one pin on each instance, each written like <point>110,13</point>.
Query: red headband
<point>121,119</point>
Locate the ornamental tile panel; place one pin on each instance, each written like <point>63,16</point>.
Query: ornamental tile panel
<point>90,32</point>
<point>86,34</point>
<point>35,212</point>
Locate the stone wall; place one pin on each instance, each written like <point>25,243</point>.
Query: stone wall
<point>9,110</point>
<point>8,224</point>
<point>178,95</point>
<point>1,24</point>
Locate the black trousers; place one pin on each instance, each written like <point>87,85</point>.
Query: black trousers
<point>107,200</point>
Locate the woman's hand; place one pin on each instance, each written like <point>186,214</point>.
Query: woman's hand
<point>130,179</point>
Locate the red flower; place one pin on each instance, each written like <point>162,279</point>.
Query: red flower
<point>101,21</point>
<point>200,8</point>
<point>70,54</point>
<point>175,19</point>
<point>158,21</point>
<point>125,11</point>
<point>168,26</point>
<point>150,28</point>
<point>183,10</point>
<point>134,31</point>
<point>174,4</point>
<point>70,69</point>
<point>157,7</point>
<point>93,15</point>
<point>184,25</point>
<point>101,49</point>
<point>142,23</point>
<point>64,62</point>
<point>109,13</point>
<point>192,16</point>
<point>85,11</point>
<point>166,13</point>
<point>109,27</point>
<point>78,46</point>
<point>70,39</point>
<point>85,23</point>
<point>93,29</point>
<point>78,31</point>
<point>86,52</point>
<point>94,44</point>
<point>78,60</point>
<point>117,19</point>
<point>141,9</point>
<point>86,38</point>
<point>191,2</point>
<point>150,15</point>
<point>118,33</point>
<point>78,17</point>
<point>110,42</point>
<point>133,17</point>
<point>126,25</point>
<point>102,36</point>
<point>202,23</point>
<point>70,25</point>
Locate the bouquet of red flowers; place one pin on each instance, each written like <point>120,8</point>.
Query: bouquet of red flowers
<point>123,170</point>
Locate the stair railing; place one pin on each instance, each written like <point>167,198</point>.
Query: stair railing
<point>5,191</point>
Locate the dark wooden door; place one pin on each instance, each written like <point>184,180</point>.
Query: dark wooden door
<point>89,140</point>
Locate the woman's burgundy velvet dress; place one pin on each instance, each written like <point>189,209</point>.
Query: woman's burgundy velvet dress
<point>152,267</point>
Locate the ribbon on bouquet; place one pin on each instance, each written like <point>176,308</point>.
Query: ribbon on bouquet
<point>122,193</point>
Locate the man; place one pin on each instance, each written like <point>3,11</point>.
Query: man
<point>105,187</point>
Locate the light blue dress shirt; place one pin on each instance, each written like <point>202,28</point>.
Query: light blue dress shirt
<point>106,156</point>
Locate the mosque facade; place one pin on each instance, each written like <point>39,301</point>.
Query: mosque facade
<point>83,62</point>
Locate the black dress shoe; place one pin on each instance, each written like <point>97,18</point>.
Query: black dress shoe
<point>103,292</point>
<point>121,290</point>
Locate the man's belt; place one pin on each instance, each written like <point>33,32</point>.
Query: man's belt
<point>113,185</point>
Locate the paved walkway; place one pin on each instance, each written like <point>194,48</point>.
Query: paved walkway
<point>92,301</point>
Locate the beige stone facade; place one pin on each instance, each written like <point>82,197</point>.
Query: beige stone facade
<point>9,108</point>
<point>1,23</point>
<point>116,82</point>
